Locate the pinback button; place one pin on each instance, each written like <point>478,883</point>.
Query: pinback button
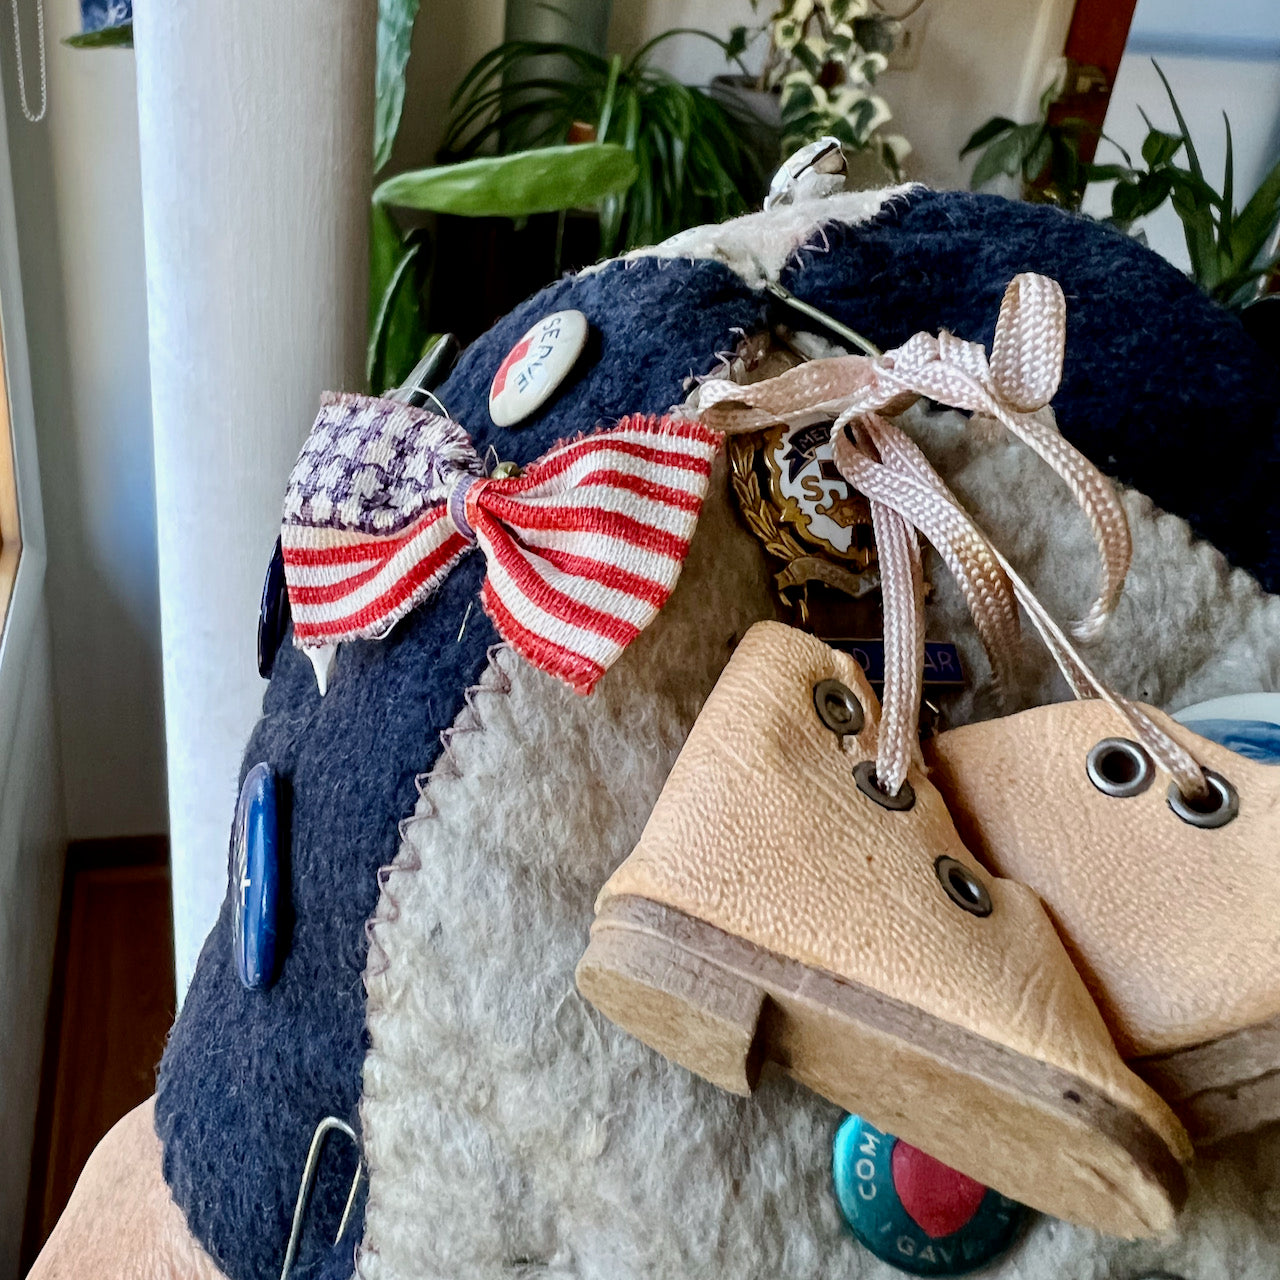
<point>914,1212</point>
<point>255,870</point>
<point>1248,723</point>
<point>536,366</point>
<point>273,613</point>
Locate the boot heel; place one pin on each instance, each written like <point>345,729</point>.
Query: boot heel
<point>687,1008</point>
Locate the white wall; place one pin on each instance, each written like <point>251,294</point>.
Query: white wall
<point>979,58</point>
<point>80,229</point>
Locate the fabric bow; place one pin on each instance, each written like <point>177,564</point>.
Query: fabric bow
<point>582,548</point>
<point>1012,386</point>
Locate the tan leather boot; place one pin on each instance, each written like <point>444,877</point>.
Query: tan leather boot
<point>1172,917</point>
<point>780,908</point>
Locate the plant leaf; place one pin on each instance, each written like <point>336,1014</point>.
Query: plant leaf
<point>398,330</point>
<point>1107,173</point>
<point>515,186</point>
<point>1255,224</point>
<point>1038,157</point>
<point>1159,147</point>
<point>395,33</point>
<point>1005,155</point>
<point>985,133</point>
<point>1192,159</point>
<point>117,37</point>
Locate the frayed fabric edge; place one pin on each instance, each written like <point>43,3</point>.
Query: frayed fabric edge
<point>757,247</point>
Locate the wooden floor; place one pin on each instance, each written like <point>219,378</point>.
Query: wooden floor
<point>111,1007</point>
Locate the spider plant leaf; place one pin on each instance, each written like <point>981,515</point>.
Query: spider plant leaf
<point>545,180</point>
<point>1228,186</point>
<point>395,32</point>
<point>1239,289</point>
<point>641,55</point>
<point>610,97</point>
<point>1192,159</point>
<point>1255,224</point>
<point>986,133</point>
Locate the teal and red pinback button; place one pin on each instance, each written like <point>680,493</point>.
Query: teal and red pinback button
<point>912,1210</point>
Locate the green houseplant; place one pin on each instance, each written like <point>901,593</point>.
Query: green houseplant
<point>1043,158</point>
<point>1230,249</point>
<point>822,59</point>
<point>692,165</point>
<point>513,187</point>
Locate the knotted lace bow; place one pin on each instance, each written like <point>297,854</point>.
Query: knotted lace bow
<point>1018,381</point>
<point>582,549</point>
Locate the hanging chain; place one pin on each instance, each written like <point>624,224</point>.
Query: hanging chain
<point>34,116</point>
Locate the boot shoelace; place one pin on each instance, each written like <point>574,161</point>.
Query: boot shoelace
<point>908,498</point>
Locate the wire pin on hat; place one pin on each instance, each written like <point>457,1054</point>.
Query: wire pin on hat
<point>323,1129</point>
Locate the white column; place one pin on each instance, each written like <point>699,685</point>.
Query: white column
<point>256,128</point>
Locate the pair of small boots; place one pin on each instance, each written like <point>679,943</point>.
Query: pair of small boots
<point>1022,949</point>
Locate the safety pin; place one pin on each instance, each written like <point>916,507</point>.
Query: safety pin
<point>830,323</point>
<point>323,1129</point>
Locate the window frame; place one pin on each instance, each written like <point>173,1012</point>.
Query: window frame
<point>21,510</point>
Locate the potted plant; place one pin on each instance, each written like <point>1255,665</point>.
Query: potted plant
<point>820,66</point>
<point>693,165</point>
<point>1233,252</point>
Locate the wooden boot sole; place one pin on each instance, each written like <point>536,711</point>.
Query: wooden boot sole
<point>723,1008</point>
<point>1222,1087</point>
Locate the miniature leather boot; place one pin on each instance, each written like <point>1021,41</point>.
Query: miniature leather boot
<point>1170,911</point>
<point>781,907</point>
<point>1166,894</point>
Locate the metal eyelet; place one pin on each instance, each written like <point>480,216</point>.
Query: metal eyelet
<point>838,708</point>
<point>1120,768</point>
<point>864,775</point>
<point>1223,806</point>
<point>963,887</point>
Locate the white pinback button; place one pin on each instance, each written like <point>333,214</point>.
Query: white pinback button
<point>536,366</point>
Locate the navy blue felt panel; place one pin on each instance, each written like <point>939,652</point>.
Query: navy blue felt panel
<point>1163,389</point>
<point>248,1075</point>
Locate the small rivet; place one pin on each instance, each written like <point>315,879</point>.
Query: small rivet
<point>864,775</point>
<point>962,886</point>
<point>838,707</point>
<point>1119,768</point>
<point>1223,806</point>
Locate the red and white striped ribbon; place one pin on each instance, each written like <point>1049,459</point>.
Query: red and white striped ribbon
<point>583,548</point>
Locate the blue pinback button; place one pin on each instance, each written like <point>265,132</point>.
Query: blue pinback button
<point>913,1211</point>
<point>1248,723</point>
<point>255,870</point>
<point>273,613</point>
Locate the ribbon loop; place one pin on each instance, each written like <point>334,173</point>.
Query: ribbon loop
<point>1012,387</point>
<point>582,548</point>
